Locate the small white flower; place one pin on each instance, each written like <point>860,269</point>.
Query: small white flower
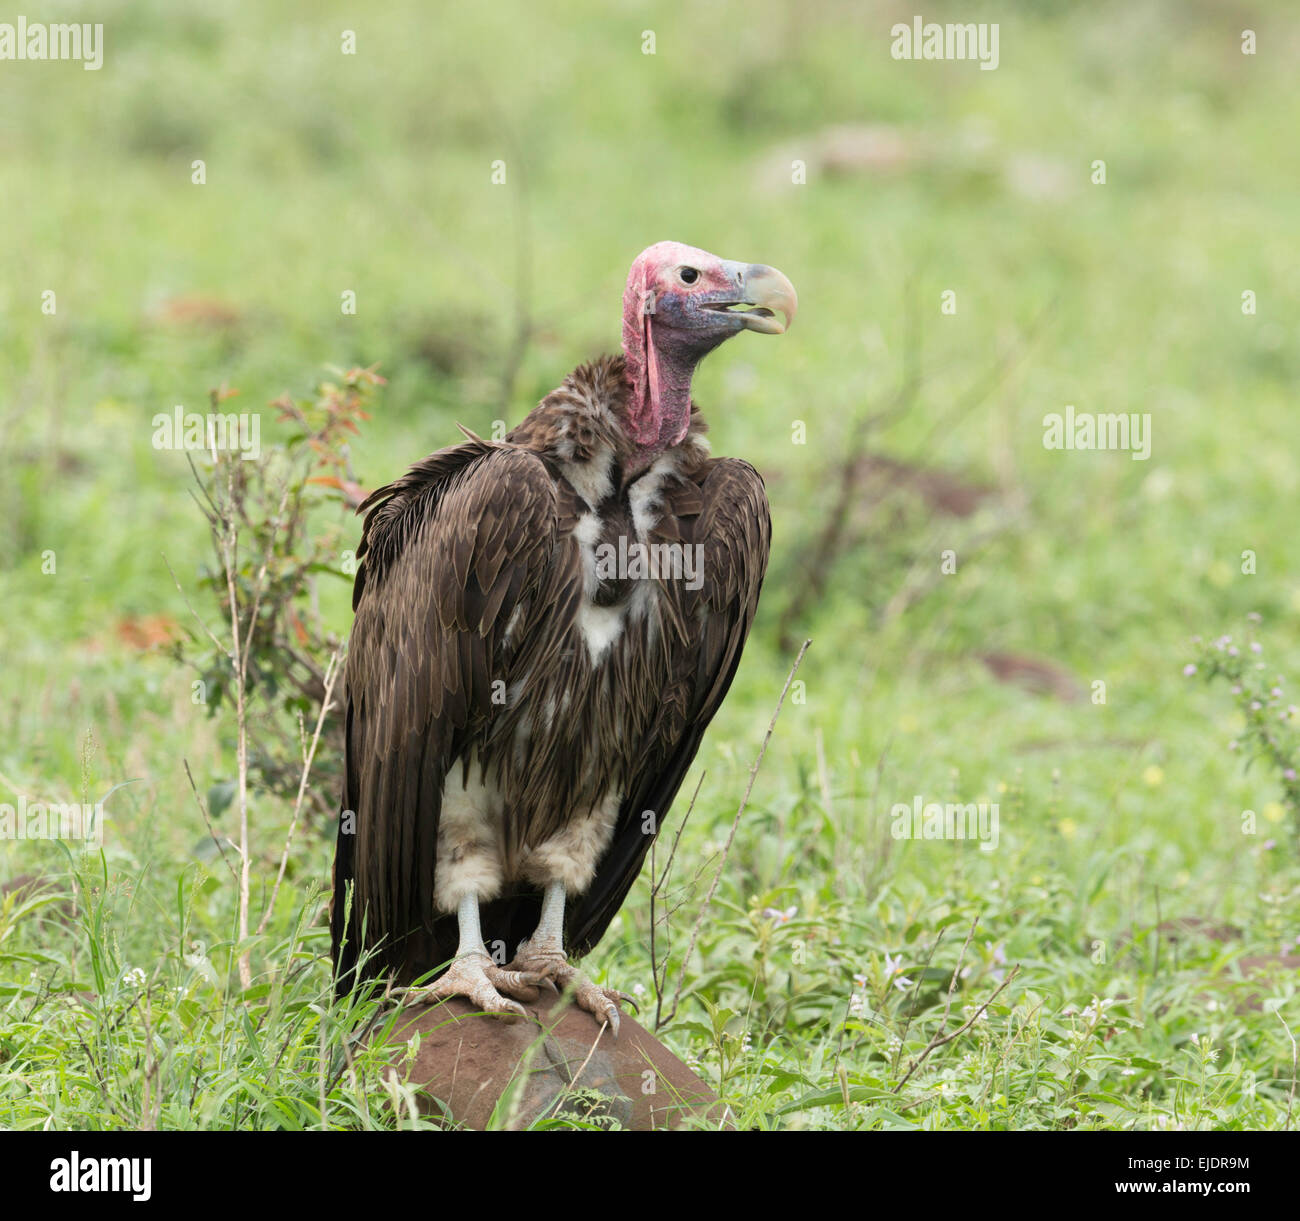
<point>1096,1008</point>
<point>894,967</point>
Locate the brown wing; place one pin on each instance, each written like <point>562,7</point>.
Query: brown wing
<point>449,552</point>
<point>726,511</point>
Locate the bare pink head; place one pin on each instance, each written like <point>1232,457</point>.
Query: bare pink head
<point>680,303</point>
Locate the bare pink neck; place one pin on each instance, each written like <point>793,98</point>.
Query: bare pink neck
<point>659,404</point>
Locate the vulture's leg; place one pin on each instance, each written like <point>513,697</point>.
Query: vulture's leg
<point>543,954</point>
<point>475,976</point>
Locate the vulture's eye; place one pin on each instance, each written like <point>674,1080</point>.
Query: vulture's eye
<point>689,275</point>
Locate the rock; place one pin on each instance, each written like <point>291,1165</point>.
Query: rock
<point>564,1064</point>
<point>846,150</point>
<point>1259,975</point>
<point>1033,674</point>
<point>941,491</point>
<point>1180,930</point>
<point>29,886</point>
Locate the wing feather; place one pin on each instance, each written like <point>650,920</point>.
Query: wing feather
<point>449,552</point>
<point>726,512</point>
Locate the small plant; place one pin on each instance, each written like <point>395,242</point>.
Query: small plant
<point>276,663</point>
<point>270,548</point>
<point>1271,721</point>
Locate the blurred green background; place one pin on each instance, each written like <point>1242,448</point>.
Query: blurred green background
<point>373,173</point>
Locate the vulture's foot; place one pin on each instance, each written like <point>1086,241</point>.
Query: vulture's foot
<point>549,963</point>
<point>477,978</point>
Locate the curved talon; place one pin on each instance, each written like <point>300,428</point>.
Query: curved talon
<point>605,1007</point>
<point>601,1003</point>
<point>522,985</point>
<point>480,981</point>
<point>622,997</point>
<point>545,963</point>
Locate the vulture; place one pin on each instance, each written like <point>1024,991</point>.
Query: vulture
<point>543,628</point>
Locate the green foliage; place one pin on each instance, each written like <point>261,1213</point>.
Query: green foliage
<point>96,1039</point>
<point>1260,693</point>
<point>285,542</point>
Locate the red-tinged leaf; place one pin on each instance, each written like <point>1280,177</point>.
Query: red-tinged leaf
<point>353,492</point>
<point>298,629</point>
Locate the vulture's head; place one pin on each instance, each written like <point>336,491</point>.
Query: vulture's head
<point>680,303</point>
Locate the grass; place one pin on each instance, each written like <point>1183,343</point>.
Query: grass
<point>372,173</point>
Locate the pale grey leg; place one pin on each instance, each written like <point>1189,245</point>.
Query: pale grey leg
<point>543,954</point>
<point>475,976</point>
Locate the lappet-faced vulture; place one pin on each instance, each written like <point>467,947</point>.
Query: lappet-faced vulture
<point>544,627</point>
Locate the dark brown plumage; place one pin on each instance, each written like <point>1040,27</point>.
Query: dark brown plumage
<point>490,660</point>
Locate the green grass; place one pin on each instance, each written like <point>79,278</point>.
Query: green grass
<point>372,173</point>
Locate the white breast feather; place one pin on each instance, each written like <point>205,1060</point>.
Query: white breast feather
<point>600,627</point>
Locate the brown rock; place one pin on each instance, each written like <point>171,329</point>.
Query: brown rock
<point>941,491</point>
<point>1246,996</point>
<point>485,1072</point>
<point>28,886</point>
<point>1033,674</point>
<point>201,312</point>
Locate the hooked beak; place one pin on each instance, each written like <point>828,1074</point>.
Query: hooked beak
<point>767,291</point>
